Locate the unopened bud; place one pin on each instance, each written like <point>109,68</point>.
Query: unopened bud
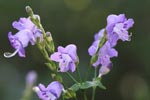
<point>29,10</point>
<point>49,36</point>
<point>31,78</point>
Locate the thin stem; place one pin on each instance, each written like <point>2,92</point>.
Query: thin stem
<point>85,96</point>
<point>95,73</point>
<point>72,77</point>
<point>94,88</point>
<point>93,93</point>
<point>79,75</point>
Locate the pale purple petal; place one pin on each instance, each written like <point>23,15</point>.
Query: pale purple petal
<point>42,87</point>
<point>121,32</point>
<point>65,56</point>
<point>72,66</point>
<point>113,53</point>
<point>55,88</point>
<point>128,24</point>
<point>63,66</point>
<point>99,35</point>
<point>21,52</point>
<point>71,50</point>
<point>61,49</point>
<point>57,56</point>
<point>93,48</point>
<point>113,38</point>
<point>112,19</point>
<point>23,23</point>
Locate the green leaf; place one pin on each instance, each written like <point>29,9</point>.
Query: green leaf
<point>75,87</point>
<point>87,84</point>
<point>95,83</point>
<point>99,83</point>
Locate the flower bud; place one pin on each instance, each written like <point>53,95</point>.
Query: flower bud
<point>31,78</point>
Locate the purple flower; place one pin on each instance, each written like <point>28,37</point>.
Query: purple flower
<point>24,23</point>
<point>105,53</point>
<point>27,24</point>
<point>97,38</point>
<point>51,92</point>
<point>67,57</point>
<point>28,32</point>
<point>117,28</point>
<point>19,41</point>
<point>31,78</point>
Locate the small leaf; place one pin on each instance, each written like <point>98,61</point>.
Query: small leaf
<point>99,83</point>
<point>75,87</point>
<point>101,86</point>
<point>87,84</point>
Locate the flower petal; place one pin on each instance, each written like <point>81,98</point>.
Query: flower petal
<point>72,66</point>
<point>56,57</point>
<point>55,88</point>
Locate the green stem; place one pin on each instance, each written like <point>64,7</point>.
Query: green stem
<point>94,88</point>
<point>27,93</point>
<point>85,96</point>
<point>79,75</point>
<point>95,73</point>
<point>93,93</point>
<point>72,77</point>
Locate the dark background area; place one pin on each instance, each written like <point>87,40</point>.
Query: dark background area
<point>76,21</point>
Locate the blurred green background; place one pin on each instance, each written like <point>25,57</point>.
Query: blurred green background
<point>76,21</point>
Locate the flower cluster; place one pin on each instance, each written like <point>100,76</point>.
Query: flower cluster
<point>27,32</point>
<point>116,29</point>
<point>101,50</point>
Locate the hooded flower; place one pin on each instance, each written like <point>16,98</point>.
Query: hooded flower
<point>27,24</point>
<point>67,57</point>
<point>117,28</point>
<point>28,32</point>
<point>97,38</point>
<point>19,41</point>
<point>51,92</point>
<point>105,53</point>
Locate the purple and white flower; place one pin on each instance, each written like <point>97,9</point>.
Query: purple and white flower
<point>51,92</point>
<point>105,53</point>
<point>67,57</point>
<point>117,28</point>
<point>28,32</point>
<point>97,38</point>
